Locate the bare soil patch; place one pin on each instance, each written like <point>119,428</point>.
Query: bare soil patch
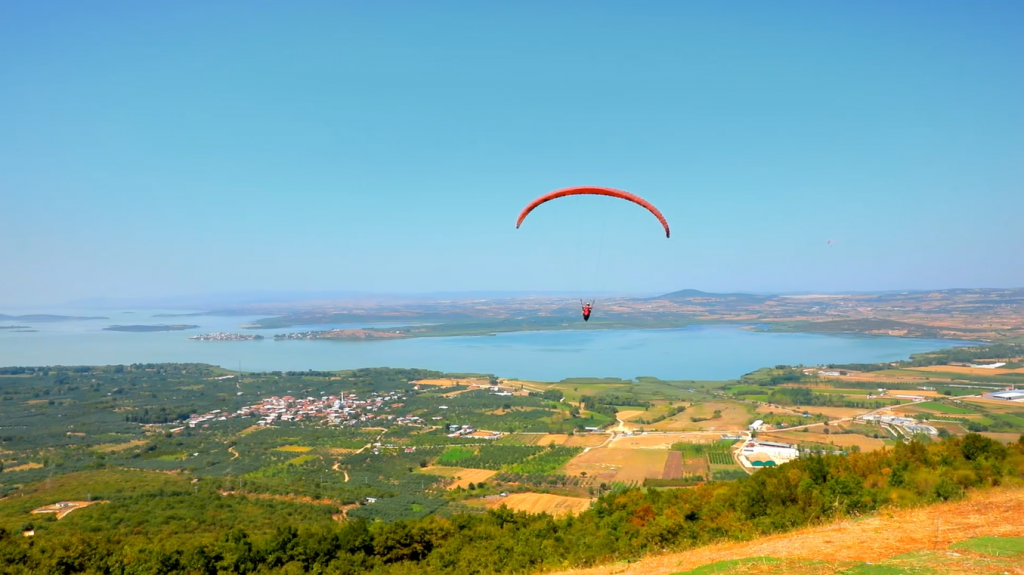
<point>994,512</point>
<point>64,507</point>
<point>673,466</point>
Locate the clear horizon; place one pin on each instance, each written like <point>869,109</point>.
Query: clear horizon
<point>162,150</point>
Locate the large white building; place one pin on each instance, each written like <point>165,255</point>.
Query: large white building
<point>1008,395</point>
<point>767,453</point>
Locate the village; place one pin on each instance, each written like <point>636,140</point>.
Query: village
<point>344,410</point>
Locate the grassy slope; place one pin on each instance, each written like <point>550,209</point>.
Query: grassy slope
<point>925,542</point>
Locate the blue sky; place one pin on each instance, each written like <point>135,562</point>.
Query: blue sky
<point>162,148</point>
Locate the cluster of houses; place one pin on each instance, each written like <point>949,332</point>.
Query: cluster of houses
<point>907,425</point>
<point>346,410</point>
<point>226,337</point>
<point>470,431</point>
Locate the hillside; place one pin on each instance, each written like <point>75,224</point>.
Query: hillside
<point>933,537</point>
<point>693,294</point>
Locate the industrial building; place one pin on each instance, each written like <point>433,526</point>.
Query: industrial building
<point>1008,395</point>
<point>767,453</point>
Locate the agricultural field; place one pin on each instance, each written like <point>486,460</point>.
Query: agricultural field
<point>619,465</point>
<point>815,434</point>
<point>732,416</point>
<point>557,505</point>
<point>936,407</point>
<point>1002,437</point>
<point>461,477</point>
<point>832,412</point>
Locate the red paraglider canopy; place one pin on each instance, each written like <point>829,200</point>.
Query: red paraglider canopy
<point>589,190</point>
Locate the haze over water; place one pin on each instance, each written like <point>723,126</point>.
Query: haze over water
<point>697,352</point>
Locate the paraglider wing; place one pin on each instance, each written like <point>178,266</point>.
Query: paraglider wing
<point>587,190</point>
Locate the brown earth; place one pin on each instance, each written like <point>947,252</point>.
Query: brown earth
<point>994,512</point>
<point>673,466</point>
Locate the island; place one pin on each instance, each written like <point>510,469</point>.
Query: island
<point>148,328</point>
<point>46,318</point>
<point>13,327</point>
<point>225,337</point>
<point>345,334</point>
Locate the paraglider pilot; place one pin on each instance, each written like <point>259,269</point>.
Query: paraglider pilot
<point>586,310</point>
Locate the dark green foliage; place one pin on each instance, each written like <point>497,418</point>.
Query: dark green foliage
<point>491,456</point>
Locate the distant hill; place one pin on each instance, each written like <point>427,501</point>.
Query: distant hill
<point>697,294</point>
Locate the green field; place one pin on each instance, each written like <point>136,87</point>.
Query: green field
<point>942,407</point>
<point>453,455</point>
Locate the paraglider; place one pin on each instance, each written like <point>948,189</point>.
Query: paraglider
<point>587,307</point>
<point>830,243</point>
<point>593,191</point>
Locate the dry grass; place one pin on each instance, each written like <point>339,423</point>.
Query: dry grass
<point>24,467</point>
<point>557,505</point>
<point>837,439</point>
<point>994,512</point>
<point>996,405</point>
<point>836,412</point>
<point>624,465</point>
<point>451,382</point>
<point>630,414</point>
<point>588,440</point>
<point>662,440</point>
<point>293,448</point>
<point>462,476</point>
<point>250,429</point>
<point>734,417</point>
<point>114,447</point>
<point>966,370</point>
<point>1003,437</point>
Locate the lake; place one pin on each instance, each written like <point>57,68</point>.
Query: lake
<point>697,352</point>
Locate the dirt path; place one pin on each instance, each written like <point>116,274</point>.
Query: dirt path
<point>337,467</point>
<point>234,454</point>
<point>995,512</point>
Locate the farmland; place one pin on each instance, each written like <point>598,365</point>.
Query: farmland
<point>557,505</point>
<point>619,465</point>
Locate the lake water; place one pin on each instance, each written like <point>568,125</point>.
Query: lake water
<point>698,352</point>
